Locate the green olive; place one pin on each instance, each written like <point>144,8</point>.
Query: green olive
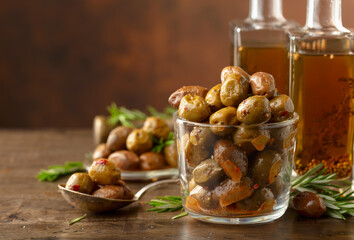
<point>194,108</point>
<point>157,127</point>
<point>253,110</point>
<point>265,168</point>
<point>208,174</point>
<point>202,136</point>
<point>139,141</point>
<point>194,154</point>
<point>234,90</point>
<point>233,69</point>
<point>213,98</point>
<point>254,202</point>
<point>250,138</point>
<point>170,153</point>
<point>176,97</point>
<point>104,172</point>
<point>80,182</point>
<point>262,84</point>
<point>225,116</point>
<point>282,108</point>
<point>204,197</point>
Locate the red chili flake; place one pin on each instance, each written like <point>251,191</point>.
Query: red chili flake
<point>185,109</point>
<point>283,114</point>
<point>101,161</point>
<point>256,186</point>
<point>237,169</point>
<point>266,115</point>
<point>75,187</point>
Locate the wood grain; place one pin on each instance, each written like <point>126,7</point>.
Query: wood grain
<point>33,210</point>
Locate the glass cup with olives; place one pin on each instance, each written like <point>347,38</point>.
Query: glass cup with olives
<point>236,146</point>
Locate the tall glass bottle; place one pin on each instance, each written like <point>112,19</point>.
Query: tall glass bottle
<point>259,42</point>
<point>322,72</point>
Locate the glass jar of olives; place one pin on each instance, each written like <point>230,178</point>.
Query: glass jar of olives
<point>235,174</point>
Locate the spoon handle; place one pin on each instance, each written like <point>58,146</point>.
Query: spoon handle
<point>154,184</point>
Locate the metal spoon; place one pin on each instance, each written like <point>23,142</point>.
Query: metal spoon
<point>96,204</point>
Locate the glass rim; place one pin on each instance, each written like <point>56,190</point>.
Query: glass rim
<point>289,122</point>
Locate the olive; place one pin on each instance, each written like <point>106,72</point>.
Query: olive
<point>128,193</point>
<point>152,161</point>
<point>309,204</point>
<point>282,108</point>
<point>110,191</point>
<point>233,69</point>
<point>251,139</point>
<point>234,90</point>
<point>191,184</point>
<point>277,186</point>
<point>194,154</point>
<point>231,158</point>
<point>282,138</point>
<point>262,84</point>
<point>208,174</point>
<point>194,108</point>
<point>139,141</point>
<point>176,97</point>
<point>80,182</point>
<point>253,110</point>
<point>253,203</point>
<point>204,197</point>
<point>202,136</point>
<point>170,153</point>
<point>157,127</point>
<point>224,116</point>
<point>101,151</point>
<point>125,160</point>
<point>213,98</point>
<point>104,172</point>
<point>117,138</point>
<point>229,191</point>
<point>265,168</point>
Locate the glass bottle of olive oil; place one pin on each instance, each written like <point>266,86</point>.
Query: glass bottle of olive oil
<point>260,43</point>
<point>322,72</point>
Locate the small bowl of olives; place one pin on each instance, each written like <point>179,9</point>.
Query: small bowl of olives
<point>236,147</point>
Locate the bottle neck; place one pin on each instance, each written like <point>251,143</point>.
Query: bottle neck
<point>266,10</point>
<point>324,14</point>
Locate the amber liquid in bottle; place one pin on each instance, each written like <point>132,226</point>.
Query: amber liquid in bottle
<point>324,99</point>
<point>273,60</point>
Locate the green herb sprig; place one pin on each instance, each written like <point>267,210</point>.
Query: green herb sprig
<point>160,144</point>
<point>124,116</point>
<point>77,219</point>
<point>54,172</point>
<point>167,112</point>
<point>167,204</point>
<point>338,203</point>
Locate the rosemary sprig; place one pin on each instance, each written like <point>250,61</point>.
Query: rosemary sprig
<point>124,116</point>
<point>167,113</point>
<point>77,219</point>
<point>167,204</point>
<point>160,144</point>
<point>54,172</point>
<point>338,203</point>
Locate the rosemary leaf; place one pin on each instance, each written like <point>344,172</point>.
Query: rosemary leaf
<point>180,215</point>
<point>77,219</point>
<point>54,172</point>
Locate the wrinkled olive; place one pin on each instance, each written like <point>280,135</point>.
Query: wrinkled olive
<point>101,151</point>
<point>231,158</point>
<point>128,193</point>
<point>170,153</point>
<point>253,110</point>
<point>117,138</point>
<point>282,108</point>
<point>251,139</point>
<point>282,138</point>
<point>234,90</point>
<point>265,168</point>
<point>225,116</point>
<point>194,108</point>
<point>309,204</point>
<point>262,84</point>
<point>202,136</point>
<point>233,69</point>
<point>213,98</point>
<point>157,127</point>
<point>152,161</point>
<point>176,97</point>
<point>254,202</point>
<point>208,174</point>
<point>104,172</point>
<point>114,192</point>
<point>229,191</point>
<point>194,154</point>
<point>204,198</point>
<point>125,160</point>
<point>80,182</point>
<point>139,141</point>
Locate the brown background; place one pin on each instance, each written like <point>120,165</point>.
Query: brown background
<point>63,61</point>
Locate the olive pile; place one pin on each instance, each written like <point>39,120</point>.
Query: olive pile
<point>103,180</point>
<point>131,149</point>
<point>234,162</point>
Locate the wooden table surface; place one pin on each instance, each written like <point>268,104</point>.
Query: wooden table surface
<point>35,210</point>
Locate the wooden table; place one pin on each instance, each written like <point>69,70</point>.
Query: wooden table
<point>32,209</point>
